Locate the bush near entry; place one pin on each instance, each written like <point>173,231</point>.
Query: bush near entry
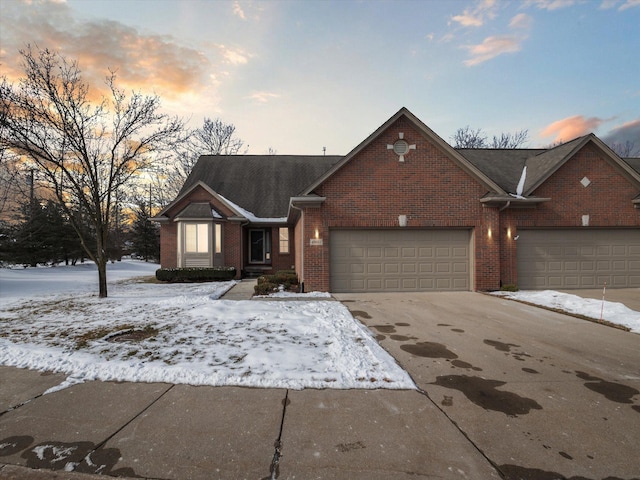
<point>182,275</point>
<point>271,283</point>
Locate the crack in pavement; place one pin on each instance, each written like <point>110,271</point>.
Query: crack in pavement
<point>274,468</point>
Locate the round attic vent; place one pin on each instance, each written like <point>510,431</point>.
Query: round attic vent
<point>401,147</point>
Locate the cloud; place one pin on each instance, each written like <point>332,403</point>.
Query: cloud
<point>521,21</point>
<point>491,47</point>
<point>151,63</point>
<point>627,132</point>
<point>626,4</point>
<point>571,127</point>
<point>494,46</point>
<point>551,4</point>
<point>234,56</point>
<point>476,17</point>
<point>262,97</point>
<point>237,10</point>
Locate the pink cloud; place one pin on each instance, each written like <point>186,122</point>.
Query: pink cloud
<point>571,127</point>
<point>151,63</point>
<point>490,48</point>
<point>476,17</point>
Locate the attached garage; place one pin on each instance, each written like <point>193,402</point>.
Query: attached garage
<point>578,258</point>
<point>399,260</point>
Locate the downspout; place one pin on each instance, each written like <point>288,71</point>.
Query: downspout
<point>242,252</point>
<point>301,248</point>
<point>505,206</point>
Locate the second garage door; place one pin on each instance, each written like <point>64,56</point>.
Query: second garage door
<point>399,260</point>
<point>578,258</point>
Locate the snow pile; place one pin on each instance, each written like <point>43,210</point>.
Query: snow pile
<point>610,311</point>
<point>183,333</point>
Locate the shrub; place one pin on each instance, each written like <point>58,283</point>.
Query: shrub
<point>509,288</point>
<point>269,283</point>
<point>265,288</point>
<point>181,275</point>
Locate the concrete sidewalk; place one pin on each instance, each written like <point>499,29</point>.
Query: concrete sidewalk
<point>165,431</point>
<point>243,290</point>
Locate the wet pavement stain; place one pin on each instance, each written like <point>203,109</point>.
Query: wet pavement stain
<point>401,338</point>
<point>360,313</point>
<point>565,455</point>
<point>380,337</point>
<point>15,444</point>
<point>347,447</point>
<point>403,324</point>
<point>484,393</point>
<point>444,325</point>
<point>81,457</point>
<point>461,364</point>
<point>459,330</point>
<point>385,328</point>
<point>447,401</point>
<point>503,347</point>
<point>429,350</point>
<point>616,392</point>
<point>516,472</point>
<point>530,370</point>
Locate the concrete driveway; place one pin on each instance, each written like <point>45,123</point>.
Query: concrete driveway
<point>541,395</point>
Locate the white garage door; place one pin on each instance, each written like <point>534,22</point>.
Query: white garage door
<point>578,258</point>
<point>399,260</point>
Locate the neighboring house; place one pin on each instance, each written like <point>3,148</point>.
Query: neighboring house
<point>405,211</point>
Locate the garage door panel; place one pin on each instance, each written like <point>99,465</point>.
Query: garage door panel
<point>409,268</point>
<point>426,268</point>
<point>426,252</point>
<point>399,260</point>
<point>374,268</point>
<point>578,258</point>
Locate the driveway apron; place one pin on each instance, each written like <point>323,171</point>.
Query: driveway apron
<point>541,394</point>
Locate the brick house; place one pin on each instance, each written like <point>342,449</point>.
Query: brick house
<point>405,211</point>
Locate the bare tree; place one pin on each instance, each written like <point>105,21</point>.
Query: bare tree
<point>510,140</point>
<point>85,150</point>
<point>625,150</point>
<point>214,138</point>
<point>217,138</point>
<point>469,138</point>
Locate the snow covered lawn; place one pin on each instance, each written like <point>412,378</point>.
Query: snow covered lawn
<point>612,312</point>
<point>51,319</point>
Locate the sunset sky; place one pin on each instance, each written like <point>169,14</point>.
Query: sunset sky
<point>297,76</point>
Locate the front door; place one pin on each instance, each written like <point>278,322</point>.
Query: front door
<point>259,246</point>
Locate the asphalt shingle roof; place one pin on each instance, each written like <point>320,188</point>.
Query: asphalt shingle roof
<point>261,184</point>
<point>503,166</point>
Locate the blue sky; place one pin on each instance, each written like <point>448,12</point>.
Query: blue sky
<point>297,76</point>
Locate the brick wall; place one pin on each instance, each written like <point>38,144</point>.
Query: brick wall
<point>374,188</point>
<point>607,200</point>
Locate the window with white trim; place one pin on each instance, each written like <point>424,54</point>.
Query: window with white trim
<point>218,238</point>
<point>284,239</point>
<point>196,238</point>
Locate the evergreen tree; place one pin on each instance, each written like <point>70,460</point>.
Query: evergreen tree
<point>145,235</point>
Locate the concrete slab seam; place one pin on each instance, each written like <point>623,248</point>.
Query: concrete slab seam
<point>127,423</point>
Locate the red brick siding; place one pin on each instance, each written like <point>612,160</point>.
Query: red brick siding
<point>429,188</point>
<point>607,201</point>
<point>168,245</point>
<point>281,261</point>
<point>232,246</point>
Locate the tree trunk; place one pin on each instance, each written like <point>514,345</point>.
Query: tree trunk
<point>102,275</point>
